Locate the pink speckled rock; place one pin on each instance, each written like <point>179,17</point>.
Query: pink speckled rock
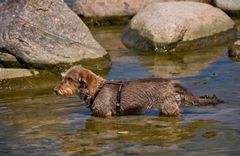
<point>114,8</point>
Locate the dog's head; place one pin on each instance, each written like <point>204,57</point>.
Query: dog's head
<point>77,80</point>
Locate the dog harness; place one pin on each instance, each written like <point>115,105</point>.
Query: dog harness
<point>118,98</point>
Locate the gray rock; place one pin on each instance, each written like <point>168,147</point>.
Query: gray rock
<point>174,26</point>
<point>114,8</point>
<point>8,73</point>
<point>47,33</point>
<point>230,5</point>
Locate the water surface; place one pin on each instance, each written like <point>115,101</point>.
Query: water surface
<point>37,122</point>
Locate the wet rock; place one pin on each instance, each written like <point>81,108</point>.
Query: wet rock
<point>111,9</point>
<point>47,32</point>
<point>8,73</point>
<point>176,26</point>
<point>234,51</point>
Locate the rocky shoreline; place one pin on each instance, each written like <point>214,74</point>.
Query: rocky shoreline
<point>48,35</point>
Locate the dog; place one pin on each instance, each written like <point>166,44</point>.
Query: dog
<point>108,98</point>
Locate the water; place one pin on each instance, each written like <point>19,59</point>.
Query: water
<point>37,122</point>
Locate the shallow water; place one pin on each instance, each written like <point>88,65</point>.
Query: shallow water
<point>37,122</point>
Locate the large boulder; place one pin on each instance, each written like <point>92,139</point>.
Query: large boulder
<point>47,33</point>
<point>109,9</point>
<point>174,26</point>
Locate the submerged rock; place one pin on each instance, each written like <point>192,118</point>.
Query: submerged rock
<point>111,9</point>
<point>47,32</point>
<point>176,26</point>
<point>8,73</point>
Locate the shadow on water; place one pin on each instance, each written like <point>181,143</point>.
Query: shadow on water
<point>33,121</point>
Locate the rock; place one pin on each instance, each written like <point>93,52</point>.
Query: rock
<point>234,51</point>
<point>27,80</point>
<point>8,60</point>
<point>176,26</point>
<point>47,32</point>
<point>122,132</point>
<point>8,73</point>
<point>110,9</point>
<point>228,5</point>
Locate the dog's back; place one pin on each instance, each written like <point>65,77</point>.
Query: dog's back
<point>144,94</point>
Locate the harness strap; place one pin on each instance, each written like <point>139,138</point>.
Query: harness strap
<point>94,97</point>
<point>118,98</point>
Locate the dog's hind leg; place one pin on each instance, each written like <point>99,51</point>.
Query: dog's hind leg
<point>169,107</point>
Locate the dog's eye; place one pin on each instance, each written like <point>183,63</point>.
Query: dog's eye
<point>69,79</point>
<point>82,84</point>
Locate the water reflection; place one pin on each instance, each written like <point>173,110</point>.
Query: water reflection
<point>33,124</point>
<point>142,134</point>
<point>181,64</point>
<point>35,117</point>
<point>99,134</point>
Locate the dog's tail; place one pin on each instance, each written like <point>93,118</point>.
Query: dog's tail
<point>201,100</point>
<point>188,98</point>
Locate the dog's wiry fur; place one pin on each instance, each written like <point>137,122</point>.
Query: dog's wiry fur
<point>137,95</point>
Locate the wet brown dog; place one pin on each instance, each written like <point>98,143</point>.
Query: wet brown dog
<point>136,96</point>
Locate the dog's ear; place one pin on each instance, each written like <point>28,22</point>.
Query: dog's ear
<point>90,79</point>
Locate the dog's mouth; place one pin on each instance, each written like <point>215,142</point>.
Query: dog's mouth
<point>63,92</point>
